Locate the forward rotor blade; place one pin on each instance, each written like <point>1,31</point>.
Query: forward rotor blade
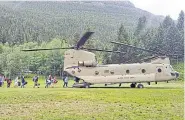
<point>138,48</point>
<point>103,50</point>
<point>83,39</point>
<point>47,49</point>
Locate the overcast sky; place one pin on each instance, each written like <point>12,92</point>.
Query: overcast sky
<point>161,7</point>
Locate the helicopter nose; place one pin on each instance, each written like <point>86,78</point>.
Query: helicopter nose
<point>177,74</point>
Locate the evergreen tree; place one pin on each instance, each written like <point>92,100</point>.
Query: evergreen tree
<point>74,40</point>
<point>160,42</point>
<point>180,27</point>
<point>168,39</point>
<point>140,26</point>
<point>171,40</point>
<point>180,22</point>
<point>123,37</point>
<point>1,69</point>
<point>167,22</point>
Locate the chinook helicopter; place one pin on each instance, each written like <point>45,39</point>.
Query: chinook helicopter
<point>80,63</point>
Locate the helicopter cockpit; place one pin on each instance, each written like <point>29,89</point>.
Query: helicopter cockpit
<point>173,72</point>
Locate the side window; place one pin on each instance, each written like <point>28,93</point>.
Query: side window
<point>127,71</point>
<point>96,73</point>
<point>112,72</point>
<point>159,70</point>
<point>143,70</point>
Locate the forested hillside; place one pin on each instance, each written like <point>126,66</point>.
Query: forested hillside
<point>42,21</point>
<point>29,25</point>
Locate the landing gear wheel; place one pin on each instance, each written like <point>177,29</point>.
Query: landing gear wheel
<point>133,85</point>
<point>86,85</point>
<point>140,86</point>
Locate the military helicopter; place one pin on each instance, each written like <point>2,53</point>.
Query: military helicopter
<point>80,63</point>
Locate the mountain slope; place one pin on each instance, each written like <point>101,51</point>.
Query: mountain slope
<point>46,20</point>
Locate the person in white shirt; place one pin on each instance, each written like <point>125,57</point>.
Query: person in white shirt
<point>16,82</point>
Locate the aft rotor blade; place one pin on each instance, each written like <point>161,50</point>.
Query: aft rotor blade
<point>175,55</point>
<point>137,48</point>
<point>47,49</point>
<point>147,50</point>
<point>103,50</point>
<point>83,39</point>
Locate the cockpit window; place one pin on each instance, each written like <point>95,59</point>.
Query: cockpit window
<point>171,68</point>
<point>95,58</point>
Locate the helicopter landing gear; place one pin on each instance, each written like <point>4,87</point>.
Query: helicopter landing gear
<point>86,85</point>
<point>140,86</point>
<point>133,85</point>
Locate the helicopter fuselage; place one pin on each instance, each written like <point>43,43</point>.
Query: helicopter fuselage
<point>124,73</point>
<point>82,64</point>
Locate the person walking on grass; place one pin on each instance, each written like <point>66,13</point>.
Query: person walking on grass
<point>65,81</point>
<point>48,81</point>
<point>22,81</point>
<point>53,82</point>
<point>35,80</point>
<point>1,81</point>
<point>16,82</point>
<point>9,81</point>
<point>2,78</point>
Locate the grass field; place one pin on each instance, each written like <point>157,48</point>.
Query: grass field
<point>164,101</point>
